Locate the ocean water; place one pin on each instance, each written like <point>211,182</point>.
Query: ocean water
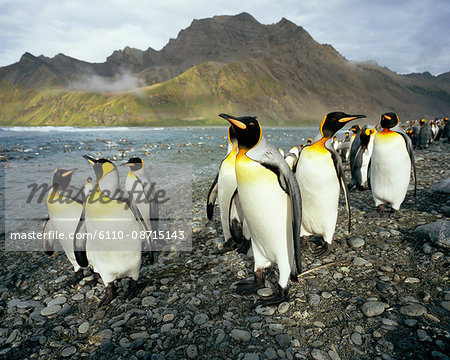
<point>175,158</point>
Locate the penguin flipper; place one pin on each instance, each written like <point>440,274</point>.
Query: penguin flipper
<point>341,178</point>
<point>273,161</point>
<point>79,242</point>
<point>409,147</point>
<point>236,222</point>
<point>47,241</point>
<point>129,200</point>
<point>212,195</point>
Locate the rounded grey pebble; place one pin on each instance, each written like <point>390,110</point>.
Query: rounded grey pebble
<point>267,311</point>
<point>240,335</point>
<point>265,292</point>
<point>283,340</point>
<point>283,307</point>
<point>192,351</point>
<point>50,310</point>
<point>356,339</point>
<point>355,242</point>
<point>83,328</point>
<point>60,300</point>
<point>413,310</point>
<point>200,319</point>
<point>314,299</point>
<point>251,356</point>
<point>271,354</point>
<point>318,354</point>
<point>69,351</point>
<point>373,308</point>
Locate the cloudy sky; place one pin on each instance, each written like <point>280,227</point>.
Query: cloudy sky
<point>404,35</point>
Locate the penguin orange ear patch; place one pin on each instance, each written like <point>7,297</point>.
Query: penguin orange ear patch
<point>238,123</point>
<point>107,167</point>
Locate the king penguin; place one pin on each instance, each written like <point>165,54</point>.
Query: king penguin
<point>271,204</point>
<point>391,164</point>
<point>359,163</point>
<point>65,205</point>
<point>320,176</point>
<point>114,226</point>
<point>224,188</point>
<point>139,185</point>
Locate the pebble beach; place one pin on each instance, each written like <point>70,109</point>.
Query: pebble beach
<point>382,293</point>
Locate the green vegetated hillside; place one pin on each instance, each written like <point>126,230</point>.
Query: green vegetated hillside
<point>195,97</point>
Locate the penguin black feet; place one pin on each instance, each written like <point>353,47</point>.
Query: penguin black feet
<point>275,299</point>
<point>77,277</point>
<point>133,289</point>
<point>251,286</point>
<point>109,296</point>
<point>322,250</point>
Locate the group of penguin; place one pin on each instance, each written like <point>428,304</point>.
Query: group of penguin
<point>101,225</point>
<point>274,202</point>
<point>423,132</point>
<point>267,200</point>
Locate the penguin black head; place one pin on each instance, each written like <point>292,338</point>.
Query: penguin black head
<point>365,135</point>
<point>102,167</point>
<point>388,120</point>
<point>309,141</point>
<point>62,178</point>
<point>247,129</point>
<point>355,128</point>
<point>134,164</point>
<point>335,121</point>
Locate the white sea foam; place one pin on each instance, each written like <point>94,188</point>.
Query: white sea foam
<point>73,128</point>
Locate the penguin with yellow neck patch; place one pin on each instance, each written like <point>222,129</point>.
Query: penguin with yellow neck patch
<point>271,203</point>
<point>320,176</point>
<point>138,184</point>
<point>391,164</point>
<point>114,226</point>
<point>65,205</point>
<point>359,162</point>
<point>224,189</point>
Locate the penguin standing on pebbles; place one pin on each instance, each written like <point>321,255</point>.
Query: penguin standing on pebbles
<point>65,205</point>
<point>271,203</point>
<point>224,188</point>
<point>391,164</point>
<point>113,224</point>
<point>139,185</point>
<point>320,176</point>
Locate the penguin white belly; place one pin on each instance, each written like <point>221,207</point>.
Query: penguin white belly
<point>267,210</point>
<point>114,246</point>
<point>65,218</point>
<point>319,188</point>
<point>226,185</point>
<point>365,163</point>
<point>390,169</point>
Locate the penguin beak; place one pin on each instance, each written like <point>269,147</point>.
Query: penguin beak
<point>350,118</point>
<point>69,172</point>
<point>234,121</point>
<point>127,164</point>
<point>91,160</point>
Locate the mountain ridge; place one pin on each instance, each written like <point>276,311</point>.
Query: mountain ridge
<point>276,71</point>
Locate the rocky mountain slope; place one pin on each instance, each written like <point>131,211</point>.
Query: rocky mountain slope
<point>225,63</point>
